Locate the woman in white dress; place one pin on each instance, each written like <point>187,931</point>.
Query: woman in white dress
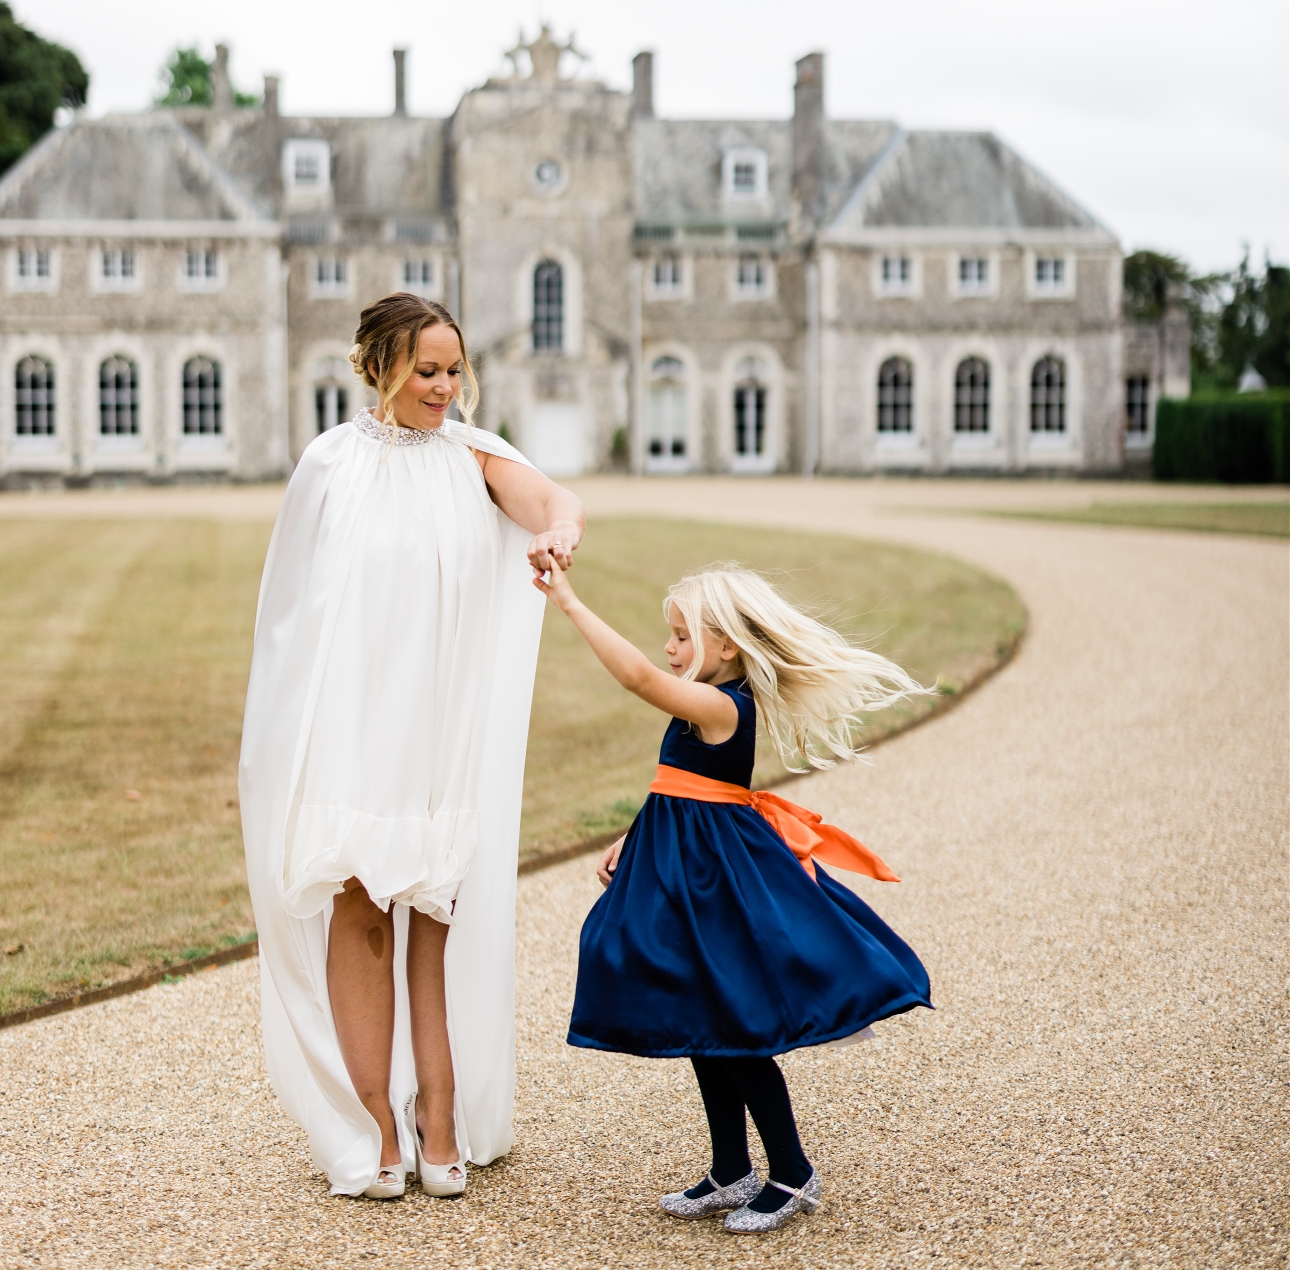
<point>382,760</point>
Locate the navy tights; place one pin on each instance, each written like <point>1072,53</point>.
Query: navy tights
<point>728,1086</point>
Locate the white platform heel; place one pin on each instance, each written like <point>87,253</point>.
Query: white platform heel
<point>390,1183</point>
<point>443,1181</point>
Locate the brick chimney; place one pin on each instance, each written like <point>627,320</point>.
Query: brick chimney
<point>643,85</point>
<point>270,96</point>
<point>221,86</point>
<point>400,91</point>
<point>810,150</point>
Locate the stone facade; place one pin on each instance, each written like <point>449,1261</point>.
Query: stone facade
<point>806,295</point>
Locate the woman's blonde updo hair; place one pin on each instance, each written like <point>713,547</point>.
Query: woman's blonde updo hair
<point>387,335</point>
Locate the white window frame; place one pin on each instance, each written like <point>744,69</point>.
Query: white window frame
<point>768,379</point>
<point>33,281</point>
<point>1037,290</point>
<point>41,442</point>
<point>678,288</point>
<point>887,287</point>
<point>974,290</point>
<point>203,281</point>
<point>763,288</point>
<point>1140,440</point>
<point>323,282</point>
<point>669,463</point>
<point>117,442</point>
<point>117,259</point>
<point>427,290</point>
<point>301,152</point>
<point>739,157</point>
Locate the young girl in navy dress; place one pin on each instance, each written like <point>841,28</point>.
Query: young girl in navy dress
<point>717,939</point>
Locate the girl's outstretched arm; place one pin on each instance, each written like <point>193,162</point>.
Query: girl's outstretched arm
<point>713,712</point>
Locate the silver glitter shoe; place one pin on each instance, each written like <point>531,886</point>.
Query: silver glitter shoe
<point>717,1200</point>
<point>746,1221</point>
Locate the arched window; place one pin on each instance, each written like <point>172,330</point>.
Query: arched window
<point>332,379</point>
<point>118,398</point>
<point>33,383</point>
<point>548,307</point>
<point>203,398</point>
<point>1048,395</point>
<point>972,396</point>
<point>896,396</point>
<point>667,421</point>
<point>750,409</point>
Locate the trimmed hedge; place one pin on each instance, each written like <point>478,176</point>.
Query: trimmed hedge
<point>1237,440</point>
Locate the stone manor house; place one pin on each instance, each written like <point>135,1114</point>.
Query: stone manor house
<point>181,287</point>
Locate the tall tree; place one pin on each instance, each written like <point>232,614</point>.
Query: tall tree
<point>37,76</point>
<point>1254,326</point>
<point>1152,279</point>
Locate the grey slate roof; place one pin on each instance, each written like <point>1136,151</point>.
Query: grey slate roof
<point>678,167</point>
<point>678,170</point>
<point>386,166</point>
<point>958,180</point>
<point>123,167</point>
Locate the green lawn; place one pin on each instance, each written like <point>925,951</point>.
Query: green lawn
<point>936,616</point>
<point>1269,519</point>
<point>124,648</point>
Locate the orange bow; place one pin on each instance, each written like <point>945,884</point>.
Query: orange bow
<point>804,831</point>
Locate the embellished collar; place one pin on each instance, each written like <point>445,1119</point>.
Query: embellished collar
<point>392,434</point>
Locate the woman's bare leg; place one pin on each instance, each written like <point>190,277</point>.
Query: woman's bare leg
<point>360,982</point>
<point>435,1086</point>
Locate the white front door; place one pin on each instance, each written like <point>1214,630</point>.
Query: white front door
<point>667,427</point>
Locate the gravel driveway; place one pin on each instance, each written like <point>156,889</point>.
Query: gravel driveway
<point>1093,850</point>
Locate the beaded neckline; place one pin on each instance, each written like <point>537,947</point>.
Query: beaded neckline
<point>367,424</point>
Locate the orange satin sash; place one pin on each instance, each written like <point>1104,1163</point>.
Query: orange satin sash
<point>804,831</point>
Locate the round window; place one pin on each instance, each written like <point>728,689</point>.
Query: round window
<point>547,174</point>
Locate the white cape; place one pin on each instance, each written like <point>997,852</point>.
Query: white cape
<point>386,719</point>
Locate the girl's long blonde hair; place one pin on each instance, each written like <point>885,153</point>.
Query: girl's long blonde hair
<point>387,334</point>
<point>809,684</point>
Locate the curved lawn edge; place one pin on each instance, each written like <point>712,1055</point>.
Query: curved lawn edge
<point>177,970</point>
<point>1004,655</point>
<point>1005,650</point>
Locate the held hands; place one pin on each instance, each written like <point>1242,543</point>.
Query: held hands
<point>557,543</point>
<point>609,861</point>
<point>555,586</point>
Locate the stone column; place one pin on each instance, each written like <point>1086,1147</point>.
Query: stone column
<point>636,416</point>
<point>811,374</point>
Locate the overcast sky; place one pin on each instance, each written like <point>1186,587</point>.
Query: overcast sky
<point>1167,120</point>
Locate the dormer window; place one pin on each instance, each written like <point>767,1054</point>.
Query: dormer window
<point>306,164</point>
<point>744,174</point>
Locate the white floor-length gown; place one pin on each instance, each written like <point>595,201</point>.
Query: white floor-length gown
<point>386,719</point>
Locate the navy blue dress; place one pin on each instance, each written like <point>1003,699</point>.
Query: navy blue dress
<point>712,940</point>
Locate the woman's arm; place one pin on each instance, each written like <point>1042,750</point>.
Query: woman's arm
<point>548,511</point>
<point>711,710</point>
